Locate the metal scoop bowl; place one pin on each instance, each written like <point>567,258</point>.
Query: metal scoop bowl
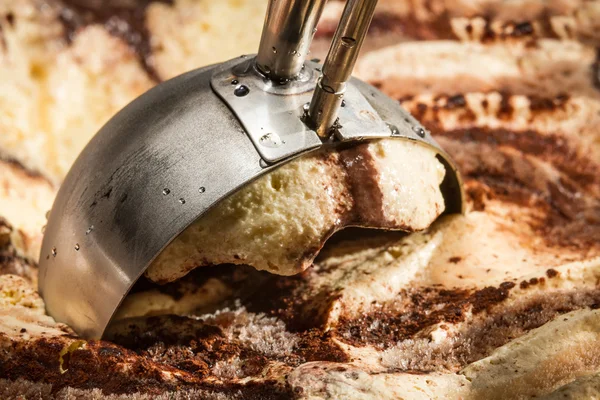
<point>177,150</point>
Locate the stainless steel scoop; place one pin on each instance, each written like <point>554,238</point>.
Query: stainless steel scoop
<point>183,146</point>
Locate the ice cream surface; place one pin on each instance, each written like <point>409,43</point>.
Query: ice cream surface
<point>499,303</point>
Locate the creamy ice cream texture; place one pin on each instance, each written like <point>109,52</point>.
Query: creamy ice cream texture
<point>431,315</point>
<point>280,222</point>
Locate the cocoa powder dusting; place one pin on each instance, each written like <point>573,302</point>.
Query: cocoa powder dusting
<point>401,319</point>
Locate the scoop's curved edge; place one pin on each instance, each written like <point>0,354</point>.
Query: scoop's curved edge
<point>149,173</point>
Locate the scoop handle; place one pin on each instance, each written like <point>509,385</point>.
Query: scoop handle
<point>337,68</point>
<point>286,37</point>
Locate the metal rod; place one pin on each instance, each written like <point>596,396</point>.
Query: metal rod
<point>287,34</point>
<point>338,65</point>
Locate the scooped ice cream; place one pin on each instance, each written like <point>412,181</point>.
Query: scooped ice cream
<point>280,222</point>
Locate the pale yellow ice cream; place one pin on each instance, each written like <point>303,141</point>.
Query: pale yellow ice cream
<point>280,222</point>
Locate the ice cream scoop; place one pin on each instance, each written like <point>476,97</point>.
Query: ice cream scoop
<point>175,154</point>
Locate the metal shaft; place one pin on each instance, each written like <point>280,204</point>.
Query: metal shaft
<point>338,65</point>
<point>287,34</point>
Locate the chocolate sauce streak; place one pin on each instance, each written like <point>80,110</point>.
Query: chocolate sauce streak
<point>596,70</point>
<point>384,23</point>
<point>2,39</point>
<point>125,19</point>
